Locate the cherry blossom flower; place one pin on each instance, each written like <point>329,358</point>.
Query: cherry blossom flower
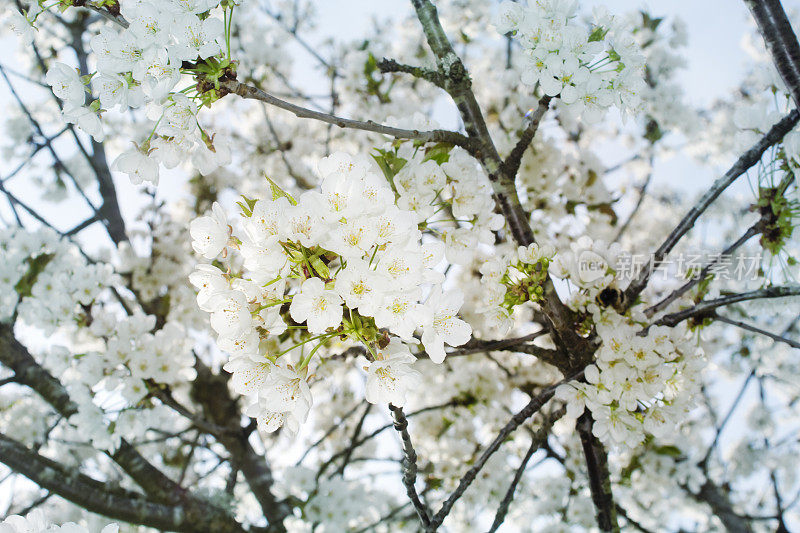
<point>210,233</point>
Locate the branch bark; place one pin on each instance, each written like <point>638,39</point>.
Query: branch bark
<point>531,408</point>
<point>599,477</point>
<point>706,306</point>
<point>409,465</point>
<point>254,93</point>
<point>211,392</point>
<point>98,497</point>
<point>781,42</point>
<point>29,373</point>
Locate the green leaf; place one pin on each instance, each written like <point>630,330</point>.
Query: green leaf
<point>277,192</point>
<point>248,206</point>
<point>35,267</point>
<point>598,34</point>
<point>320,267</point>
<point>439,152</point>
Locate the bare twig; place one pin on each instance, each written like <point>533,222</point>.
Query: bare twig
<point>250,92</point>
<point>538,438</point>
<point>532,407</point>
<point>514,159</point>
<point>409,465</point>
<point>642,192</point>
<point>703,274</point>
<point>706,306</point>
<point>754,329</point>
<point>356,433</point>
<point>390,65</point>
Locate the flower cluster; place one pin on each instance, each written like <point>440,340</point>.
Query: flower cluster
<point>35,522</point>
<point>511,280</point>
<point>141,65</point>
<point>449,195</point>
<point>337,504</point>
<point>342,262</point>
<point>44,280</point>
<point>590,69</point>
<point>639,383</point>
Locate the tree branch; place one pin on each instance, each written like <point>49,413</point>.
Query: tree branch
<point>29,373</point>
<point>599,477</point>
<point>121,504</point>
<point>721,506</point>
<point>514,159</point>
<point>390,65</point>
<point>254,93</point>
<point>533,406</point>
<point>781,42</point>
<point>211,392</point>
<point>538,438</point>
<point>703,274</point>
<point>706,306</point>
<point>409,465</point>
<point>754,329</point>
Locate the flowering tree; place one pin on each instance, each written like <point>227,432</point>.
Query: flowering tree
<point>376,323</point>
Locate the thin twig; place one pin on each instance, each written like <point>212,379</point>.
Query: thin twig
<point>514,159</point>
<point>532,407</point>
<point>706,306</point>
<point>538,437</point>
<point>409,464</point>
<point>754,329</point>
<point>254,93</point>
<point>703,274</point>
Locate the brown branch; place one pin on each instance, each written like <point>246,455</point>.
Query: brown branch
<point>781,42</point>
<point>254,93</point>
<point>532,407</point>
<point>722,507</point>
<point>390,65</point>
<point>538,438</point>
<point>375,433</point>
<point>409,464</point>
<point>706,306</point>
<point>353,438</point>
<point>113,502</point>
<point>514,159</point>
<point>703,274</point>
<point>29,373</point>
<point>599,477</point>
<point>211,392</point>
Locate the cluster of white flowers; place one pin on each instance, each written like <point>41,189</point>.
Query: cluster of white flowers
<point>510,280</point>
<point>103,380</point>
<point>44,279</point>
<point>344,262</point>
<point>141,65</point>
<point>36,522</point>
<point>335,504</point>
<point>590,69</point>
<point>590,264</point>
<point>450,196</point>
<point>639,383</point>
